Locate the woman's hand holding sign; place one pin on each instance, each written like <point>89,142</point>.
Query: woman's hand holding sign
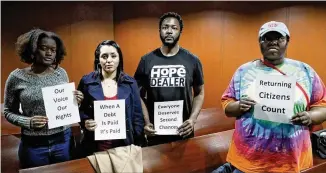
<point>90,125</point>
<point>302,118</point>
<point>245,104</point>
<point>38,121</point>
<point>237,108</point>
<point>79,96</point>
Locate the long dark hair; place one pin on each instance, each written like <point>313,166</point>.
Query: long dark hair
<point>97,66</point>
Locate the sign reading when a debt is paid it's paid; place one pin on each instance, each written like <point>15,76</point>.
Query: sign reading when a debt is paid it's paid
<point>110,117</point>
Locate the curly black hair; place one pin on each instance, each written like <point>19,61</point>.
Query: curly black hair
<point>171,14</point>
<point>97,53</point>
<point>27,43</point>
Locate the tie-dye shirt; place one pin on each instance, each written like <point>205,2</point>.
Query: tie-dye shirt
<point>264,146</point>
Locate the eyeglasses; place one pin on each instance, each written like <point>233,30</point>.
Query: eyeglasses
<point>267,39</point>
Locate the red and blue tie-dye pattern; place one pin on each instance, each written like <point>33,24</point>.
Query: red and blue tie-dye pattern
<point>264,146</point>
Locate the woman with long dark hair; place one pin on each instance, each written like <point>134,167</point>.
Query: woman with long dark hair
<point>109,82</point>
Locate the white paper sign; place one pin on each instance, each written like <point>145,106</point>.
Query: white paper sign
<point>110,117</point>
<point>168,117</point>
<point>61,106</point>
<point>274,95</point>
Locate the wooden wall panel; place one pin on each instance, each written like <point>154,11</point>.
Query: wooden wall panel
<point>224,35</point>
<point>307,27</point>
<point>136,38</point>
<point>81,25</point>
<point>239,46</point>
<point>92,23</point>
<point>202,41</point>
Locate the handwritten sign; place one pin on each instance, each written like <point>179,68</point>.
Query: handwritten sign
<point>61,106</point>
<point>168,117</point>
<point>274,95</point>
<point>110,117</point>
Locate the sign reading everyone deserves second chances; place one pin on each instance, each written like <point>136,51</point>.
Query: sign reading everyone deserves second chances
<point>168,117</point>
<point>61,106</point>
<point>275,98</point>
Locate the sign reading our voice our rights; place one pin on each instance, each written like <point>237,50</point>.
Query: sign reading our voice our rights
<point>274,95</point>
<point>61,106</point>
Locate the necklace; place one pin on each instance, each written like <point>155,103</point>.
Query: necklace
<point>109,83</point>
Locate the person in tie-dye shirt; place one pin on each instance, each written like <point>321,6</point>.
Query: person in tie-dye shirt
<point>264,146</point>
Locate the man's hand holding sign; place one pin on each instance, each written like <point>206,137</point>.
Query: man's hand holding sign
<point>149,129</point>
<point>186,128</point>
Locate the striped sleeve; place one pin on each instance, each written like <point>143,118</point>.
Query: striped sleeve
<point>318,92</point>
<point>229,94</point>
<point>64,74</point>
<point>11,104</point>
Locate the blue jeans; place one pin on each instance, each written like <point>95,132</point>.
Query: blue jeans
<point>227,168</point>
<point>43,150</point>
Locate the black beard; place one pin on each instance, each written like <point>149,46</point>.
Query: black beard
<point>170,45</point>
